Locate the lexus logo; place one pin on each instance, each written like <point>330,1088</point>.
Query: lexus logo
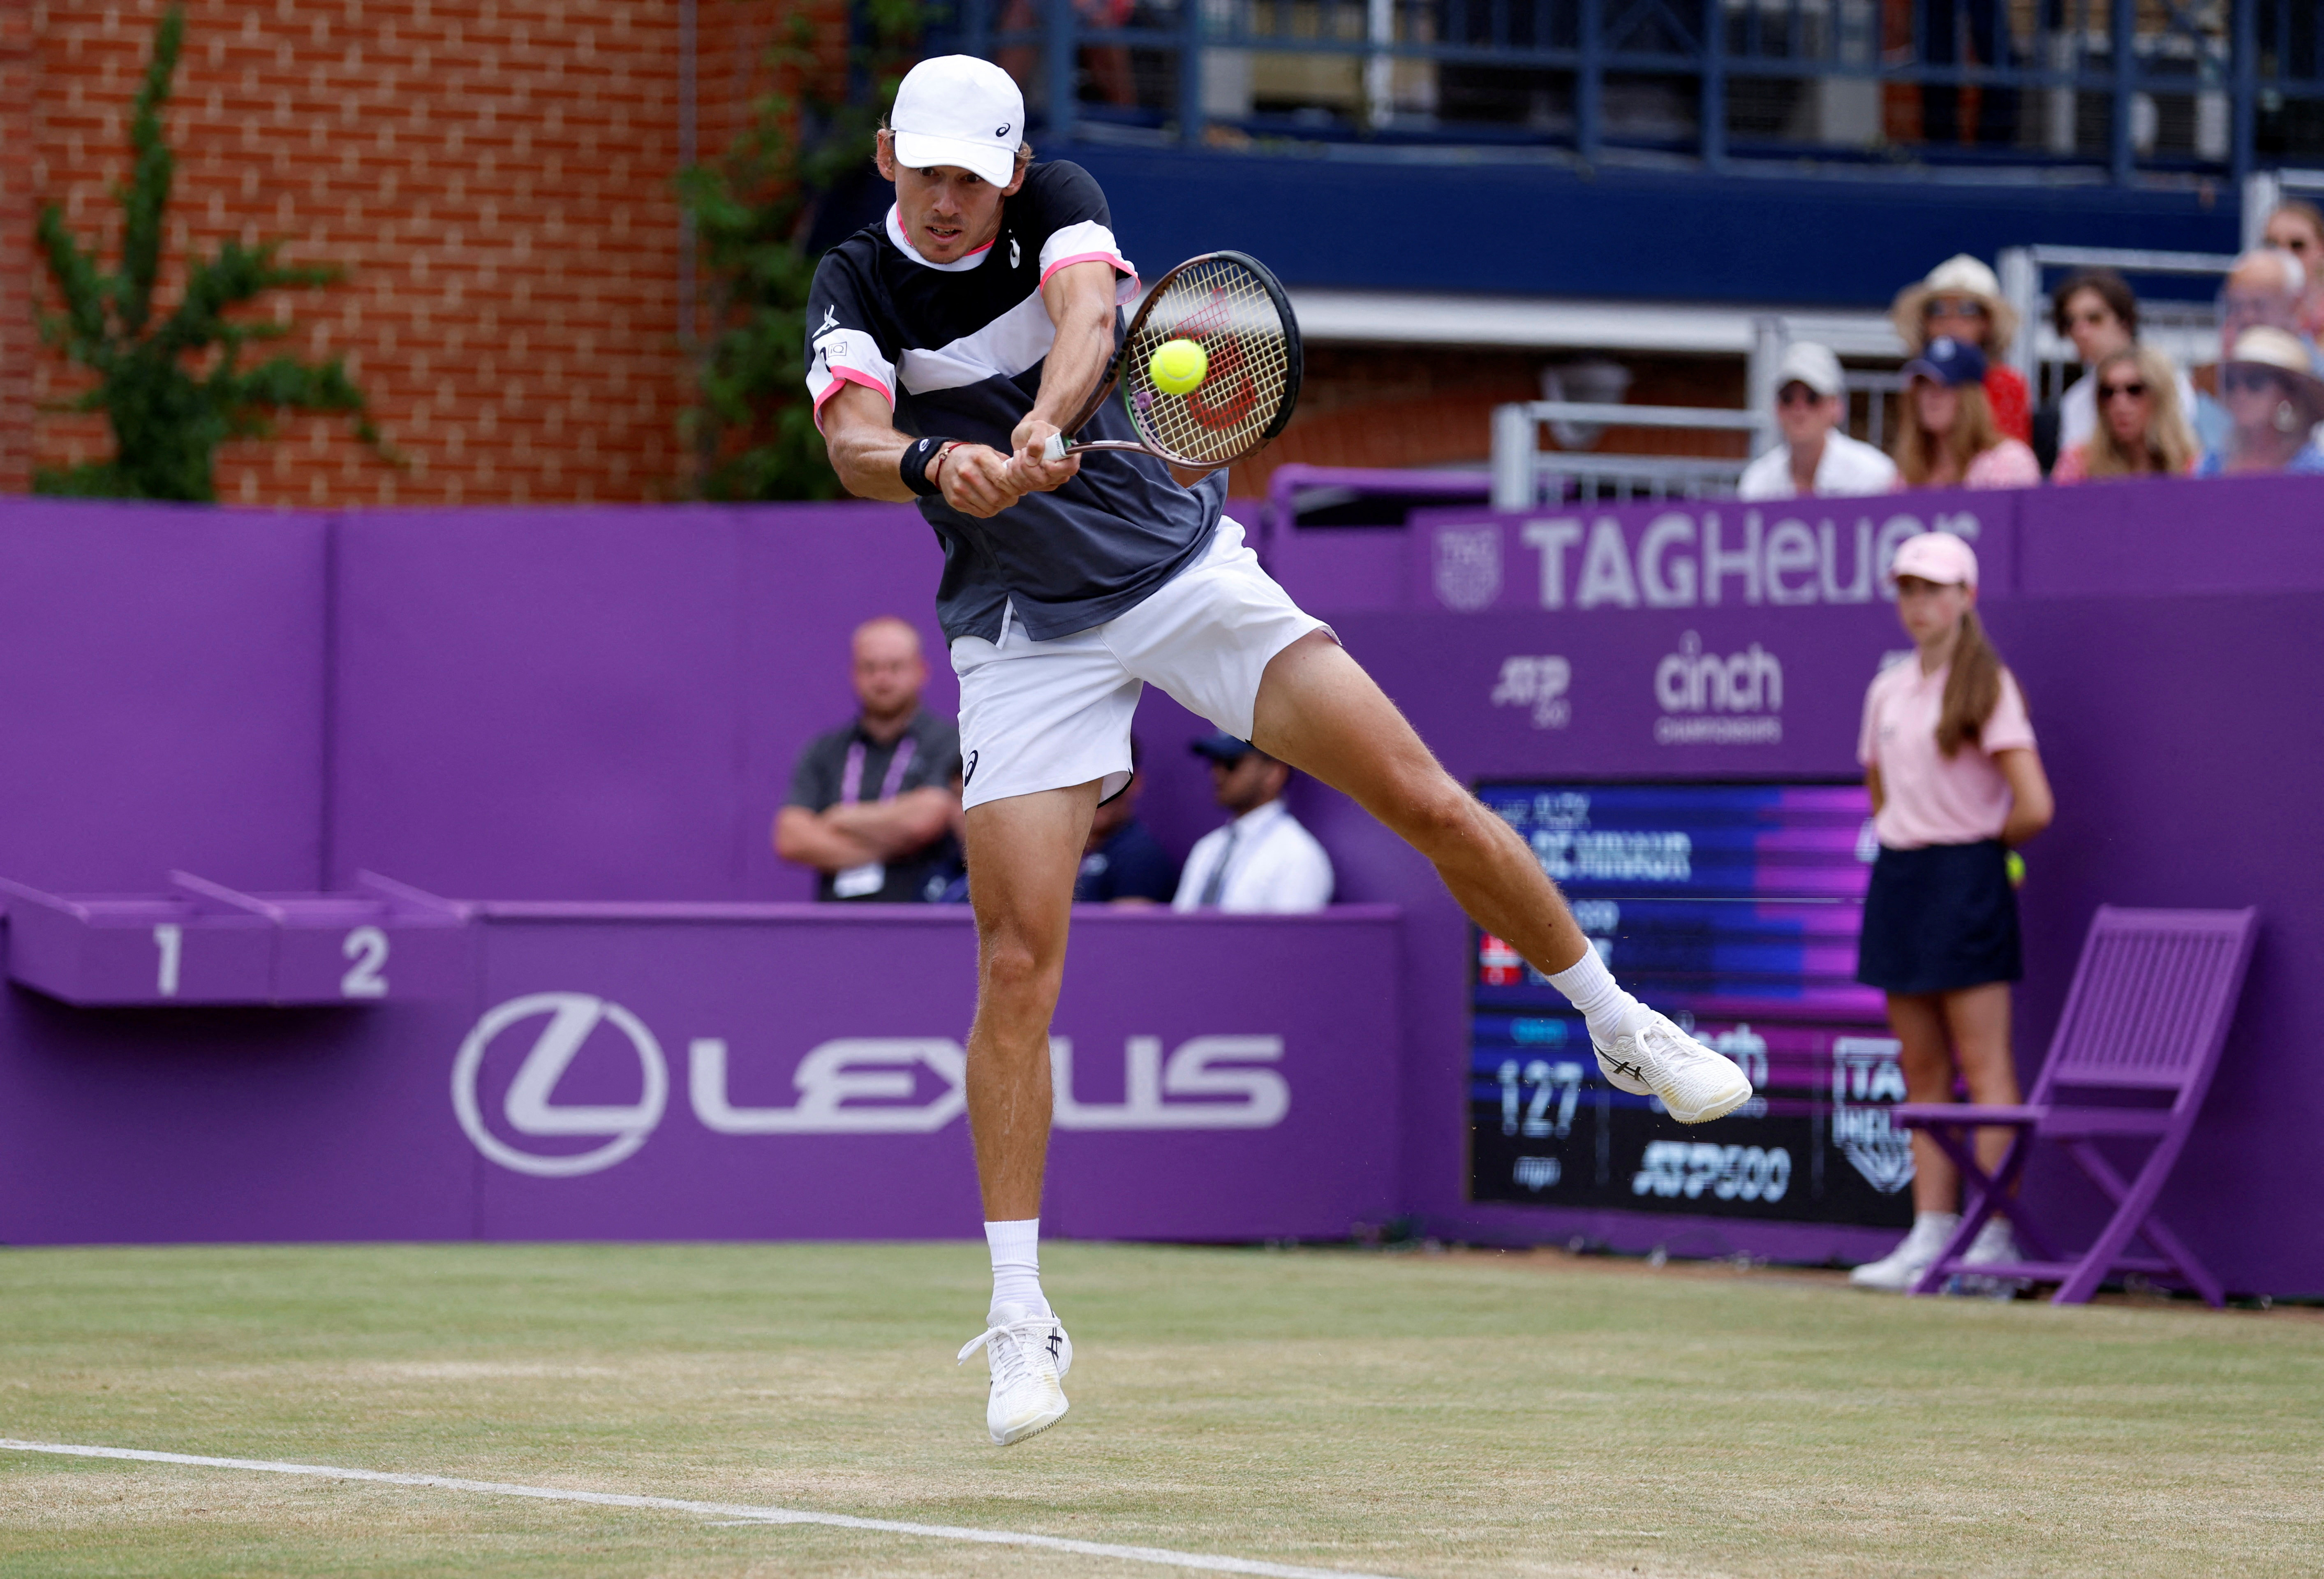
<point>571,1017</point>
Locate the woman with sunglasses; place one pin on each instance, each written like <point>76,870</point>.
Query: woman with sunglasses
<point>1956,782</point>
<point>2140,430</point>
<point>1946,437</point>
<point>2096,309</point>
<point>2274,398</point>
<point>1961,301</point>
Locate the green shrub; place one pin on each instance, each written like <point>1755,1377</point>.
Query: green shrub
<point>175,389</point>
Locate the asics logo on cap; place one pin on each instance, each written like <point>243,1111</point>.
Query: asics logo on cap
<point>1002,130</point>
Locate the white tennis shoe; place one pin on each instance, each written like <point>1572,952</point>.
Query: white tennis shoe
<point>1652,1058</point>
<point>1029,1356</point>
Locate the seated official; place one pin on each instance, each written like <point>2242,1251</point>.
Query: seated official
<point>871,806</point>
<point>1263,861</point>
<point>1123,864</point>
<point>1816,457</point>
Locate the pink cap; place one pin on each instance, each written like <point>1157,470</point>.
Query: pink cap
<point>1935,556</point>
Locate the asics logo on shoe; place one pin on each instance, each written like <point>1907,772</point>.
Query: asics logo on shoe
<point>1056,1343</point>
<point>1616,1066</point>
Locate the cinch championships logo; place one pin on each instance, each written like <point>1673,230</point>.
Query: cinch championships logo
<point>1710,700</point>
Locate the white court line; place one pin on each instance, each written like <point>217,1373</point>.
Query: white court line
<point>740,1513</point>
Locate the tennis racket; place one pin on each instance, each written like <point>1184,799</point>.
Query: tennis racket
<point>1229,304</point>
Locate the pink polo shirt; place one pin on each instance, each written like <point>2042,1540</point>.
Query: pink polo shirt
<point>1928,799</point>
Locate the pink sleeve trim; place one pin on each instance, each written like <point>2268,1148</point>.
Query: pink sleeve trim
<point>1116,259</point>
<point>840,375</point>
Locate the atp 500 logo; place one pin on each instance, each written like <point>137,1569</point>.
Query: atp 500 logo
<point>850,1085</point>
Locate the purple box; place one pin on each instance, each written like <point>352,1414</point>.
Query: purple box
<point>205,943</point>
<point>136,948</point>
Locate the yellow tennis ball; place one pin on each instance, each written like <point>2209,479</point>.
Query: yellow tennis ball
<point>2016,867</point>
<point>1177,366</point>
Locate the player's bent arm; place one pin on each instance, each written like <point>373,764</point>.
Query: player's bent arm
<point>1079,300</point>
<point>2031,806</point>
<point>809,839</point>
<point>912,821</point>
<point>865,446</point>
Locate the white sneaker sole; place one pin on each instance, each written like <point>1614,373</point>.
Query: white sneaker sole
<point>1016,1434</point>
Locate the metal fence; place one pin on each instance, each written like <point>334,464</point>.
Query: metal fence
<point>2124,87</point>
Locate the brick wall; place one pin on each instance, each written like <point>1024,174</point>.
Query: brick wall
<point>495,175</point>
<point>18,346</point>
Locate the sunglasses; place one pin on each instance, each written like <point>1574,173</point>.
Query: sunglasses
<point>2110,391</point>
<point>1796,394</point>
<point>2250,381</point>
<point>1955,310</point>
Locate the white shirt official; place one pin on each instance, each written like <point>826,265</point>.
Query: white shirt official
<point>1272,865</point>
<point>1848,467</point>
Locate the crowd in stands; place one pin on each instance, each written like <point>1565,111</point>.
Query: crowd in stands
<point>1966,419</point>
<point>874,811</point>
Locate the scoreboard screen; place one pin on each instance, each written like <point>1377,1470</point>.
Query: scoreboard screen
<point>1734,910</point>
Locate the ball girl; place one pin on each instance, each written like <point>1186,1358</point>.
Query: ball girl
<point>1949,755</point>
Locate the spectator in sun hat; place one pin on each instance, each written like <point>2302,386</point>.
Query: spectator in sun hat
<point>2140,432</point>
<point>2272,388</point>
<point>1817,456</point>
<point>2267,287</point>
<point>1945,433</point>
<point>1262,861</point>
<point>1956,783</point>
<point>1961,301</point>
<point>2096,309</point>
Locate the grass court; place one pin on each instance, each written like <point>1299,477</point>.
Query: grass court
<point>1417,1413</point>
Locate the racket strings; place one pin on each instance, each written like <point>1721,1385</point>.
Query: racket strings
<point>1224,308</point>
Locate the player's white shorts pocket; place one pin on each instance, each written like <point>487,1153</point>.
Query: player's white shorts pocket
<point>1039,716</point>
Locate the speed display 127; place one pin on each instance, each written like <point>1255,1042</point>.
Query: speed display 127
<point>1734,910</point>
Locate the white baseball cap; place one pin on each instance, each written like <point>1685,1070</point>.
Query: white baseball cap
<point>959,110</point>
<point>1805,361</point>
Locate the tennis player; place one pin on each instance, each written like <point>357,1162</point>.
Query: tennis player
<point>945,345</point>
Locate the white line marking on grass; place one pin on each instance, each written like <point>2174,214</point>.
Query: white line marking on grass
<point>734,1512</point>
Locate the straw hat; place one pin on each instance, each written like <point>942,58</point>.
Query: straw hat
<point>2280,349</point>
<point>1959,275</point>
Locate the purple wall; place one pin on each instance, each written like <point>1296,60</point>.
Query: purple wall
<point>162,694</point>
<point>594,705</point>
<point>1268,1112</point>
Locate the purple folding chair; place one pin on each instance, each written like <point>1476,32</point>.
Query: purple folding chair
<point>2145,1018</point>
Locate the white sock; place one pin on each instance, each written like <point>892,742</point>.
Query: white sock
<point>1016,1264</point>
<point>1592,989</point>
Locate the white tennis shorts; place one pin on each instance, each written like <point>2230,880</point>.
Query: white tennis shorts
<point>1039,716</point>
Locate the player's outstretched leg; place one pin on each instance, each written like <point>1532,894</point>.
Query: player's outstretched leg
<point>1319,711</point>
<point>1023,853</point>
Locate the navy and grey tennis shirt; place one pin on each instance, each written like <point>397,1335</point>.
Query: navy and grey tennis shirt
<point>957,349</point>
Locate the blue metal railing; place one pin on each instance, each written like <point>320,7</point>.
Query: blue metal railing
<point>2124,87</point>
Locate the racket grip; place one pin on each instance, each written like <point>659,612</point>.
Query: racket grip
<point>1054,449</point>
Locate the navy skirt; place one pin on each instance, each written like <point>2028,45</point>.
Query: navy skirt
<point>1939,919</point>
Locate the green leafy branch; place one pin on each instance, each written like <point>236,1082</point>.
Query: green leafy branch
<point>753,213</point>
<point>173,391</point>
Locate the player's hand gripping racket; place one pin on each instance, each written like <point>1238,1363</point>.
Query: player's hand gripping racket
<point>1209,407</point>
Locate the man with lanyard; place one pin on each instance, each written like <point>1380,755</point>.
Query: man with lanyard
<point>945,346</point>
<point>870,803</point>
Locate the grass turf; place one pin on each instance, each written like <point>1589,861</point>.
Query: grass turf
<point>1405,1414</point>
